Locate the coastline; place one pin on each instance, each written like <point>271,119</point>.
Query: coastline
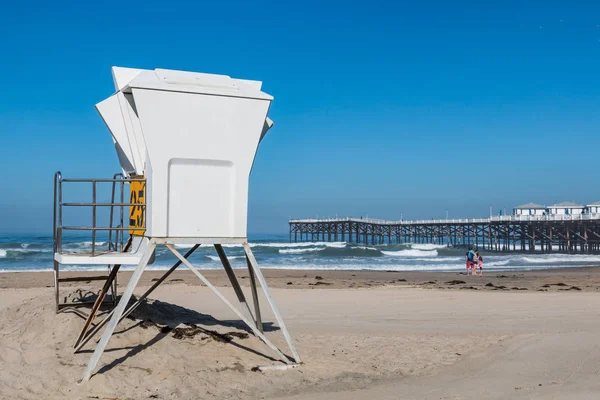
<point>556,279</point>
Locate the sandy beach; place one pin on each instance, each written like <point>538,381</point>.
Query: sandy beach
<point>379,335</point>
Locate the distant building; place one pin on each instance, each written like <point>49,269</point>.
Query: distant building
<point>593,208</point>
<point>566,208</point>
<point>529,209</point>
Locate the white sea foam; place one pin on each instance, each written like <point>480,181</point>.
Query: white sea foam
<point>427,246</point>
<point>2,253</point>
<point>561,258</point>
<point>436,259</point>
<point>216,258</point>
<point>362,267</point>
<point>302,244</point>
<point>411,253</point>
<point>495,263</point>
<point>97,243</point>
<point>444,267</point>
<point>28,250</point>
<point>317,267</point>
<point>364,248</point>
<point>278,245</point>
<point>300,251</point>
<point>83,244</point>
<point>184,246</point>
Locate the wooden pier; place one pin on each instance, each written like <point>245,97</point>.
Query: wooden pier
<point>549,233</point>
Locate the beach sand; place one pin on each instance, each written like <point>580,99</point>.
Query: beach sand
<point>377,335</point>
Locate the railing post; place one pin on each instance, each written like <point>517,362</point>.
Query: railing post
<point>93,217</point>
<point>122,210</point>
<point>112,211</point>
<point>60,215</point>
<point>57,233</point>
<point>57,178</point>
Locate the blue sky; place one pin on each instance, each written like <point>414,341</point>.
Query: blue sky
<point>381,108</point>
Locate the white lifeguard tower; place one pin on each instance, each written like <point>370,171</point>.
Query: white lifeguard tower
<point>186,143</point>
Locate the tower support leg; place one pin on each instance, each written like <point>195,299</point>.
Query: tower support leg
<point>259,323</point>
<point>108,285</point>
<point>56,288</point>
<point>234,282</point>
<point>265,287</point>
<point>118,311</point>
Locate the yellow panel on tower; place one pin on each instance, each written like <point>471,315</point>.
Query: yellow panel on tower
<point>137,199</point>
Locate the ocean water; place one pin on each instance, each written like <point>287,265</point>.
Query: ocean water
<point>34,253</point>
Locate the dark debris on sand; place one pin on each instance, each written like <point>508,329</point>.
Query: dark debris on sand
<point>559,284</point>
<point>190,331</point>
<point>572,288</point>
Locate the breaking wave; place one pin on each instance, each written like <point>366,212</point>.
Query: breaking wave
<point>300,251</point>
<point>427,246</point>
<point>561,258</point>
<point>411,253</point>
<point>216,258</point>
<point>302,244</point>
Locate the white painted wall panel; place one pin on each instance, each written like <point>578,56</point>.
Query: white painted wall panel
<point>217,181</point>
<point>110,111</point>
<point>134,131</point>
<point>200,151</point>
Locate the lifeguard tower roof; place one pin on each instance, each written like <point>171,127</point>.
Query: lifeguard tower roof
<point>193,136</point>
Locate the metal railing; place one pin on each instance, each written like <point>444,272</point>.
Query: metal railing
<point>502,218</point>
<point>118,230</point>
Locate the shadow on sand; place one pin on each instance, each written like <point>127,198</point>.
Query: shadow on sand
<point>182,323</point>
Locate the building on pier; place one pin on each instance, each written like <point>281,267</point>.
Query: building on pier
<point>593,208</point>
<point>566,208</point>
<point>529,209</point>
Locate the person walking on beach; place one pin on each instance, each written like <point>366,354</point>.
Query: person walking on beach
<point>477,262</point>
<point>470,256</point>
